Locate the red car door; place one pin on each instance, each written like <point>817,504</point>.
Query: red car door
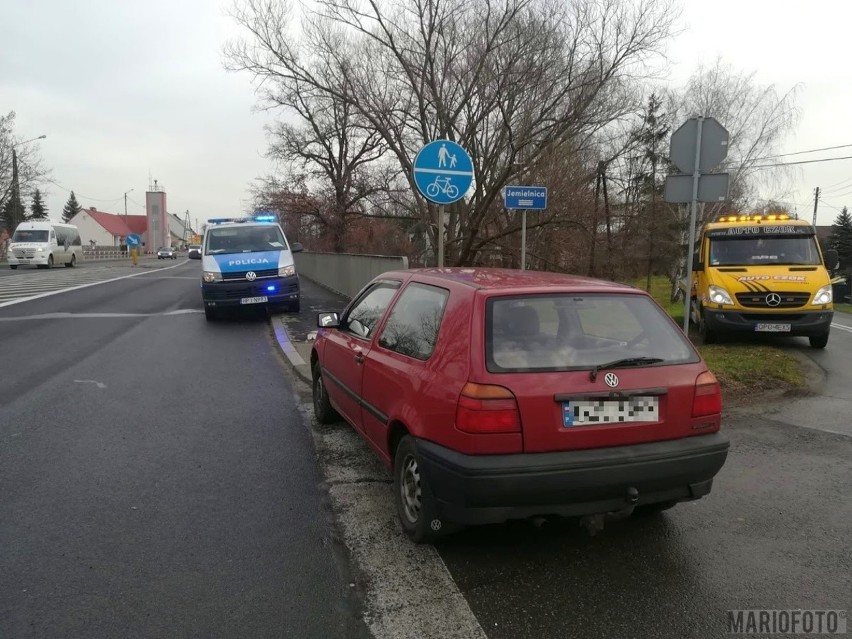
<point>347,346</point>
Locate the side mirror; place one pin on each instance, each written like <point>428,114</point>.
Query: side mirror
<point>697,264</point>
<point>328,320</point>
<point>296,247</point>
<point>832,259</point>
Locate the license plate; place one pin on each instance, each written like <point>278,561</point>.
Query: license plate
<point>772,328</point>
<point>254,300</point>
<point>590,412</point>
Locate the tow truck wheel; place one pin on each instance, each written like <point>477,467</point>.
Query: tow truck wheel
<point>818,341</point>
<point>707,336</point>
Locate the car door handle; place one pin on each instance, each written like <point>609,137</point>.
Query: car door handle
<point>359,357</point>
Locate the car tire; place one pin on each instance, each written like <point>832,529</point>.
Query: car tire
<point>72,263</point>
<point>13,266</point>
<point>323,410</point>
<point>210,314</point>
<point>415,505</point>
<point>296,306</point>
<point>818,341</point>
<point>649,510</point>
<point>708,336</point>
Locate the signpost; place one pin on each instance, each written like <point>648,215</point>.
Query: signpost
<point>133,244</point>
<point>697,147</point>
<point>525,198</point>
<point>443,173</point>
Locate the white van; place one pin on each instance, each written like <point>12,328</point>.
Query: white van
<point>45,243</point>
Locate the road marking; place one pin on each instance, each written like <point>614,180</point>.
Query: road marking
<point>50,316</point>
<point>842,327</point>
<point>91,381</point>
<point>21,300</point>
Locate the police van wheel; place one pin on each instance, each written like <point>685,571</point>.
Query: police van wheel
<point>295,306</point>
<point>210,314</point>
<point>818,341</point>
<point>323,410</point>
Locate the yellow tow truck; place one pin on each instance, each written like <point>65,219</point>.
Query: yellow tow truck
<point>761,274</point>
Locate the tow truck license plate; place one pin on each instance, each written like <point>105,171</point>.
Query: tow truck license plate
<point>254,300</point>
<point>772,328</point>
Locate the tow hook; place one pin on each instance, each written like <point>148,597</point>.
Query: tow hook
<point>595,523</point>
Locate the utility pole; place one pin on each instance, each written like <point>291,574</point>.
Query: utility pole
<point>125,205</point>
<point>816,203</point>
<point>16,216</point>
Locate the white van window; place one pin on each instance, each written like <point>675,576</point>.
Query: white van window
<point>244,239</point>
<point>29,235</point>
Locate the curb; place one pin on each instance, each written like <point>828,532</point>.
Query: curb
<point>300,366</point>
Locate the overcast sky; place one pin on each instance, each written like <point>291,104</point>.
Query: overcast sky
<point>127,89</point>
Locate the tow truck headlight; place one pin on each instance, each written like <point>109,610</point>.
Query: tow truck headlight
<point>718,295</point>
<point>287,271</point>
<point>823,296</point>
<point>210,276</point>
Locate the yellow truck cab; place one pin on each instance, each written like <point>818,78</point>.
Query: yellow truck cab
<point>761,274</point>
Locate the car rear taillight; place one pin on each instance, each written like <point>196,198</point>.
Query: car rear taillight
<point>484,408</point>
<point>708,396</point>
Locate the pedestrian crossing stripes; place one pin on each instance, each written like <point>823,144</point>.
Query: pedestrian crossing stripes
<point>29,283</point>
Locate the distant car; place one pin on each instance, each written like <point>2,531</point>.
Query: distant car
<point>166,252</point>
<point>194,252</point>
<point>496,394</point>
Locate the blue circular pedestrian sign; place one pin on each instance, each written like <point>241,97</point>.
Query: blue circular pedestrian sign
<point>133,240</point>
<point>443,172</point>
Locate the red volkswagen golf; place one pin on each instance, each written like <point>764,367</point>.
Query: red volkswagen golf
<point>497,394</point>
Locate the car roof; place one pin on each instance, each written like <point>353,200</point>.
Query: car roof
<point>497,279</point>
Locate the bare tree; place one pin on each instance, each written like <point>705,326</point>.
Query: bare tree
<point>30,170</point>
<point>513,81</point>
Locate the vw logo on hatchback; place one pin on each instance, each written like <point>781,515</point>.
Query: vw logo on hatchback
<point>611,380</point>
<point>251,276</point>
<point>773,299</point>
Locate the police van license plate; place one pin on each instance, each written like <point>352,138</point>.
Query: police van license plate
<point>590,412</point>
<point>254,300</point>
<point>772,328</point>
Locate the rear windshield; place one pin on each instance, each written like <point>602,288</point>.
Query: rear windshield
<point>27,235</point>
<point>575,332</point>
<point>244,239</point>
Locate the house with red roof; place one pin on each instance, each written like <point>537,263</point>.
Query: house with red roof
<point>110,229</point>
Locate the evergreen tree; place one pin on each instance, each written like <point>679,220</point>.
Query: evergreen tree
<point>71,208</point>
<point>38,210</point>
<point>13,212</point>
<point>841,238</point>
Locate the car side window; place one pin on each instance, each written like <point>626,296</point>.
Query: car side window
<point>365,314</point>
<point>412,327</point>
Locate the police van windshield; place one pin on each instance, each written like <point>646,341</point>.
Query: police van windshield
<point>28,235</point>
<point>244,239</point>
<point>762,251</point>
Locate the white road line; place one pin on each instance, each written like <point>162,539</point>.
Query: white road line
<point>54,316</point>
<point>75,288</point>
<point>842,327</point>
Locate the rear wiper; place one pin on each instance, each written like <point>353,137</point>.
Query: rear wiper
<point>623,363</point>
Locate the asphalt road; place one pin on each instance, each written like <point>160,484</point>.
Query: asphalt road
<point>157,474</point>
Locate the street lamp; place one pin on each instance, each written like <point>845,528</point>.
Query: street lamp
<point>17,215</point>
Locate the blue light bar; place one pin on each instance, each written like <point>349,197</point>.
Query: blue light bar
<point>265,218</point>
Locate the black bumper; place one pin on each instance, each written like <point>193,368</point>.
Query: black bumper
<point>480,489</point>
<point>277,290</point>
<point>802,323</point>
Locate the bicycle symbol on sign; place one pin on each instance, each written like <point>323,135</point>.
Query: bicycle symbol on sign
<point>442,185</point>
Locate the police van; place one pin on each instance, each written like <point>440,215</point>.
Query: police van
<point>247,262</point>
<point>762,274</point>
